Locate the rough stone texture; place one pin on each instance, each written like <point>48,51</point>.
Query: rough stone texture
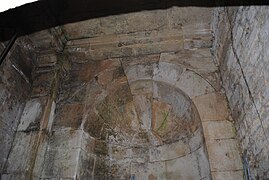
<point>125,95</point>
<point>131,96</point>
<point>212,106</point>
<point>241,51</point>
<point>167,30</point>
<point>219,133</point>
<point>26,157</point>
<point>156,20</point>
<point>15,77</point>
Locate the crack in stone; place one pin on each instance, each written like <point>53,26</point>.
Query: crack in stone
<point>242,71</point>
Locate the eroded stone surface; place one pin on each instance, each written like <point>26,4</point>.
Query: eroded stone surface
<point>223,155</point>
<point>15,77</point>
<point>241,50</point>
<point>212,107</point>
<point>219,129</point>
<point>227,175</point>
<point>31,114</point>
<point>137,100</point>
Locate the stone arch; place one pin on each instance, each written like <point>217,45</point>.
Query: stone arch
<point>143,124</point>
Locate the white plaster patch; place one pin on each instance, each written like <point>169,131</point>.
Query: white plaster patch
<point>30,114</point>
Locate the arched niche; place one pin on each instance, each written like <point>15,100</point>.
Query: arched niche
<point>145,129</point>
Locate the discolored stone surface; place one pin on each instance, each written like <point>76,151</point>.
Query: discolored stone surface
<point>31,115</point>
<point>231,160</point>
<point>219,129</point>
<point>241,50</point>
<point>15,77</point>
<point>128,96</point>
<point>227,175</point>
<point>21,150</point>
<point>212,107</point>
<point>69,115</point>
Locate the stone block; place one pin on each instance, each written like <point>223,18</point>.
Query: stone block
<point>21,153</point>
<point>94,125</point>
<point>143,108</point>
<point>140,60</point>
<point>184,16</point>
<point>86,167</point>
<point>66,139</point>
<point>197,140</point>
<point>31,115</point>
<point>199,60</point>
<point>81,72</point>
<point>169,151</point>
<point>120,153</point>
<point>106,78</point>
<point>48,40</point>
<point>166,125</point>
<point>87,144</point>
<point>42,84</point>
<point>4,94</point>
<point>137,50</point>
<point>173,96</point>
<point>224,155</point>
<point>46,60</point>
<point>11,111</point>
<point>218,130</point>
<point>227,175</point>
<point>108,64</point>
<point>61,163</point>
<point>95,94</point>
<point>212,106</point>
<point>131,45</point>
<point>167,72</point>
<point>68,115</point>
<point>139,72</point>
<point>140,154</point>
<point>74,92</point>
<point>102,169</point>
<point>141,87</point>
<point>183,168</point>
<point>6,140</point>
<point>125,23</point>
<point>150,171</point>
<point>17,176</point>
<point>40,158</point>
<point>197,41</point>
<point>203,162</point>
<point>193,84</point>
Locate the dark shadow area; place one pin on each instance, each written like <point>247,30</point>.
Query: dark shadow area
<point>45,14</point>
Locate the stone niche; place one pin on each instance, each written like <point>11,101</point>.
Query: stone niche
<point>142,124</point>
<point>137,101</point>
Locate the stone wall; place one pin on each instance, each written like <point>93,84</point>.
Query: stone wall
<point>117,101</point>
<point>139,100</point>
<point>15,78</point>
<point>116,123</point>
<point>241,51</point>
<point>33,129</point>
<point>141,105</point>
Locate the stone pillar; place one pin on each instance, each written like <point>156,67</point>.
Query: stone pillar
<point>30,144</point>
<point>15,87</point>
